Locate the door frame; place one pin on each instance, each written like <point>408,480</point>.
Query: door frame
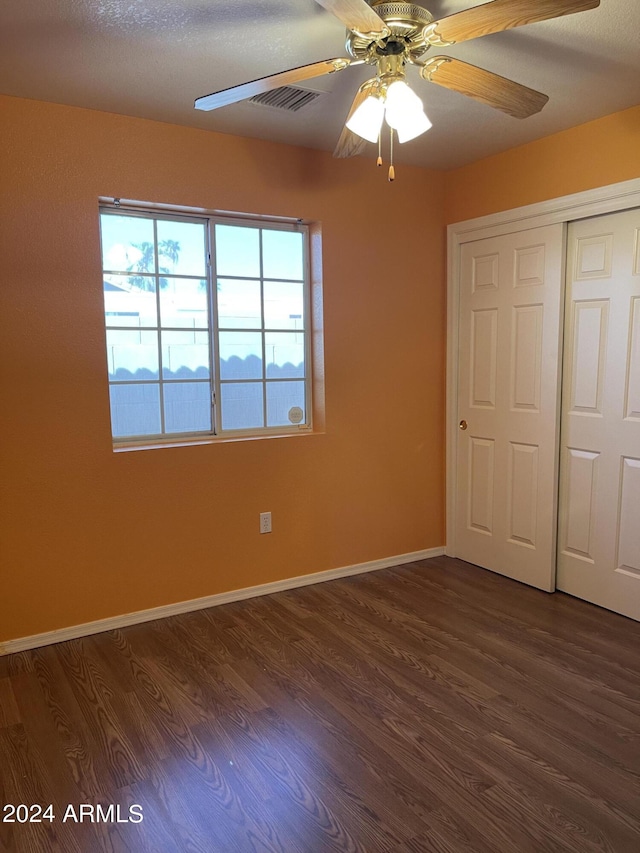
<point>601,200</point>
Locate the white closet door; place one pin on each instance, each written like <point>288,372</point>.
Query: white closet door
<point>508,374</point>
<point>599,520</point>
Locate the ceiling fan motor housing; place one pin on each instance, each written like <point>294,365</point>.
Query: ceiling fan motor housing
<point>406,22</point>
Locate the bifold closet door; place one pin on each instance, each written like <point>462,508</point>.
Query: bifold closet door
<point>508,373</point>
<point>599,518</point>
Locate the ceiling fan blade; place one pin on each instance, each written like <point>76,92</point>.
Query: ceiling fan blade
<point>355,15</point>
<point>500,15</point>
<point>495,91</point>
<point>274,81</point>
<point>350,143</point>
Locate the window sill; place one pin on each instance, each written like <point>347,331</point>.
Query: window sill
<point>158,444</point>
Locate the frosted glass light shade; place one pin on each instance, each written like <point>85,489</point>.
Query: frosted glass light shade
<point>404,112</point>
<point>367,119</point>
<point>412,125</point>
<point>400,97</point>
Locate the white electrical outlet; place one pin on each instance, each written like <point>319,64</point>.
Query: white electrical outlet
<point>265,522</point>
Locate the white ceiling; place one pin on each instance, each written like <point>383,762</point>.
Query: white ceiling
<point>152,58</point>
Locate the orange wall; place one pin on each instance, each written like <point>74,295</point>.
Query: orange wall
<point>596,154</point>
<point>89,533</point>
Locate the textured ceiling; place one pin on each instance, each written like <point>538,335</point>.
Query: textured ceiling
<point>151,58</point>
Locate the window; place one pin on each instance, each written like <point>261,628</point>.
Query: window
<point>206,325</point>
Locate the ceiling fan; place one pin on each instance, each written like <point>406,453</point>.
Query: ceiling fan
<point>391,36</point>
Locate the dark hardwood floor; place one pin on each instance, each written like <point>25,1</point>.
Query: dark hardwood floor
<point>430,707</point>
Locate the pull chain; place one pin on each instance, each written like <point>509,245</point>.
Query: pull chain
<point>379,160</point>
<point>392,171</point>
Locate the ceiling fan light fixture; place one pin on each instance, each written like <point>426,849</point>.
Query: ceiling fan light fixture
<point>390,36</point>
<point>367,119</point>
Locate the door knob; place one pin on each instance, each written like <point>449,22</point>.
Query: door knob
<point>462,425</point>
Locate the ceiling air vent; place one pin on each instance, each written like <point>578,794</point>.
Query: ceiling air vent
<point>289,98</point>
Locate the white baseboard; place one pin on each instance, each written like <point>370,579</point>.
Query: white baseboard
<point>23,643</point>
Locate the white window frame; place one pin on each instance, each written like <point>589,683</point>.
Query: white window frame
<point>210,220</point>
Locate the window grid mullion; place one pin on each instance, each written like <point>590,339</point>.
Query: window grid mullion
<point>306,324</point>
<point>156,262</point>
<point>156,328</point>
<point>127,273</point>
<point>249,381</point>
<point>166,381</point>
<point>214,330</point>
<point>288,331</point>
<point>256,278</point>
<point>263,337</point>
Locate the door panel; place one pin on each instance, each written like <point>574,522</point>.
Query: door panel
<point>580,476</point>
<point>510,302</point>
<point>523,493</point>
<point>629,529</point>
<point>526,357</point>
<point>480,486</point>
<point>590,324</point>
<point>599,516</point>
<point>632,393</point>
<point>484,336</point>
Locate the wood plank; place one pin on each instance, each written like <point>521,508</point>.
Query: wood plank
<point>9,713</point>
